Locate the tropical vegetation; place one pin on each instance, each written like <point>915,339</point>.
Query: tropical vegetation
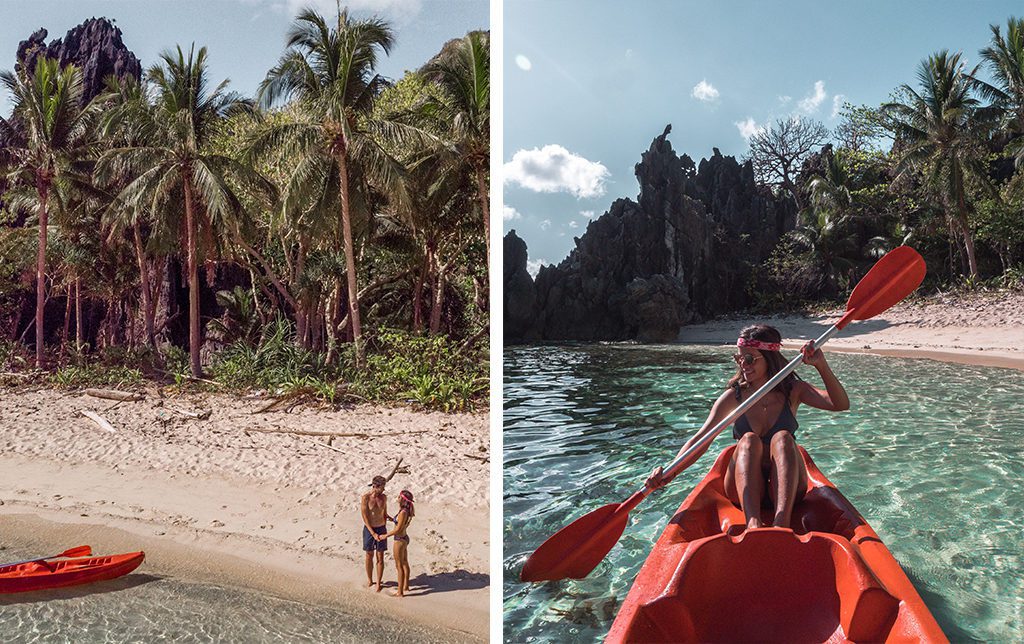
<point>939,166</point>
<point>323,237</point>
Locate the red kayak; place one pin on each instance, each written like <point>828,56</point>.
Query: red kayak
<point>58,573</point>
<point>830,579</point>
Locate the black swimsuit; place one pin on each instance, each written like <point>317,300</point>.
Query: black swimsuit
<point>786,422</point>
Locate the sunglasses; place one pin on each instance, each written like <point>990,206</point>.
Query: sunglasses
<point>746,359</point>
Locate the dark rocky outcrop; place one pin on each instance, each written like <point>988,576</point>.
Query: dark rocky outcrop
<point>95,47</point>
<point>683,251</point>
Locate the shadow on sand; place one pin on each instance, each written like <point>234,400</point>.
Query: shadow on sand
<point>75,592</point>
<point>446,582</point>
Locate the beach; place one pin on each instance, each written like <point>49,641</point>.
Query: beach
<point>983,329</point>
<point>215,490</point>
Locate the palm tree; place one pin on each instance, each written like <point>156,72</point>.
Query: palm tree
<point>940,131</point>
<point>464,74</point>
<point>1005,58</point>
<point>54,140</point>
<point>333,138</point>
<point>173,165</point>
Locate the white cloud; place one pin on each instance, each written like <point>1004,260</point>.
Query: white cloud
<point>629,53</point>
<point>810,103</point>
<point>748,128</point>
<point>574,224</point>
<point>555,169</point>
<point>589,214</point>
<point>545,224</point>
<point>784,100</point>
<point>508,213</point>
<point>533,266</point>
<point>704,91</point>
<point>523,63</point>
<point>837,104</point>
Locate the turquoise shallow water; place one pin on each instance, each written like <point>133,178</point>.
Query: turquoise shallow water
<point>144,608</point>
<point>931,453</point>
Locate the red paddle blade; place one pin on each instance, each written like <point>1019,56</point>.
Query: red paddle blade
<point>576,549</point>
<point>891,279</point>
<point>77,551</point>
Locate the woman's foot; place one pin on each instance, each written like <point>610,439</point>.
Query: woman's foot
<point>380,585</point>
<point>397,594</point>
<point>370,583</point>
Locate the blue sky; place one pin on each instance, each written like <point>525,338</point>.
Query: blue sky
<point>244,37</point>
<point>588,84</point>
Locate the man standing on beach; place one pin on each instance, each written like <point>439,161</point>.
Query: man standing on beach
<point>374,509</point>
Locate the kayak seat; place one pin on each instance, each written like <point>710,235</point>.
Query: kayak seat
<point>773,585</point>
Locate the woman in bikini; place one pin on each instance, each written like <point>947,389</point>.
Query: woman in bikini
<point>401,551</point>
<point>766,456</point>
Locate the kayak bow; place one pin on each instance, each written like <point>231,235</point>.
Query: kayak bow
<point>44,574</point>
<point>830,579</point>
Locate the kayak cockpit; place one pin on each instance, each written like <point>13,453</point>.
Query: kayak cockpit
<point>768,584</point>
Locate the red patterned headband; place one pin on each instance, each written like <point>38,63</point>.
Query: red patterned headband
<point>757,344</point>
<point>405,498</point>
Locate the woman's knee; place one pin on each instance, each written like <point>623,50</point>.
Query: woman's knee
<point>750,443</point>
<point>783,443</point>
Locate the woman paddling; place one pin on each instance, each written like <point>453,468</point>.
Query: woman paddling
<point>766,458</point>
<point>401,552</point>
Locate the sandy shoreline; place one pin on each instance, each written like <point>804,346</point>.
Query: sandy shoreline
<point>218,500</point>
<point>983,329</point>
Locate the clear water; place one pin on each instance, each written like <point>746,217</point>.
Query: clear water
<point>931,453</point>
<point>144,608</point>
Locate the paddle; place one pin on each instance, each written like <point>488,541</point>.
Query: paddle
<point>77,551</point>
<point>576,549</point>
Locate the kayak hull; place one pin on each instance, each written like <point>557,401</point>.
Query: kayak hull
<point>829,579</point>
<point>61,573</point>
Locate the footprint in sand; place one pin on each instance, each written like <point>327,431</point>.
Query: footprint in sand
<point>216,524</point>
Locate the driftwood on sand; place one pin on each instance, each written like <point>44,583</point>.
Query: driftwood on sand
<point>314,432</point>
<point>99,420</point>
<point>113,394</point>
<point>201,416</point>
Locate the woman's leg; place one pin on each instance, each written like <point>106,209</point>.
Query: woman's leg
<point>749,477</point>
<point>787,478</point>
<point>405,565</point>
<point>399,553</point>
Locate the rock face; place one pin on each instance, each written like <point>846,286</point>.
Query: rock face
<point>683,251</point>
<point>94,46</point>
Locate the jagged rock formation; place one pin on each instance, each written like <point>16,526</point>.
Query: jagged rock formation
<point>95,47</point>
<point>683,251</point>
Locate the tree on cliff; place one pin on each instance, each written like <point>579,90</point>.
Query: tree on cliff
<point>55,138</point>
<point>779,151</point>
<point>940,132</point>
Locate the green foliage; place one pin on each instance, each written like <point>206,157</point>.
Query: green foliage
<point>426,370</point>
<point>87,375</point>
<point>276,364</point>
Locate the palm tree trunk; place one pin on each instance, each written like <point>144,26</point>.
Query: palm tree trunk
<point>43,188</point>
<point>193,283</point>
<point>67,326</point>
<point>148,310</point>
<point>482,195</point>
<point>417,294</point>
<point>78,315</point>
<point>438,305</point>
<point>350,257</point>
<point>972,262</point>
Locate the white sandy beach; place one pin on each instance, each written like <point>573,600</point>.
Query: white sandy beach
<point>218,500</point>
<point>984,329</point>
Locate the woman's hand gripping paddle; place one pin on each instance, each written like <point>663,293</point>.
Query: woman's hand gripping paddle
<point>77,551</point>
<point>576,549</point>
